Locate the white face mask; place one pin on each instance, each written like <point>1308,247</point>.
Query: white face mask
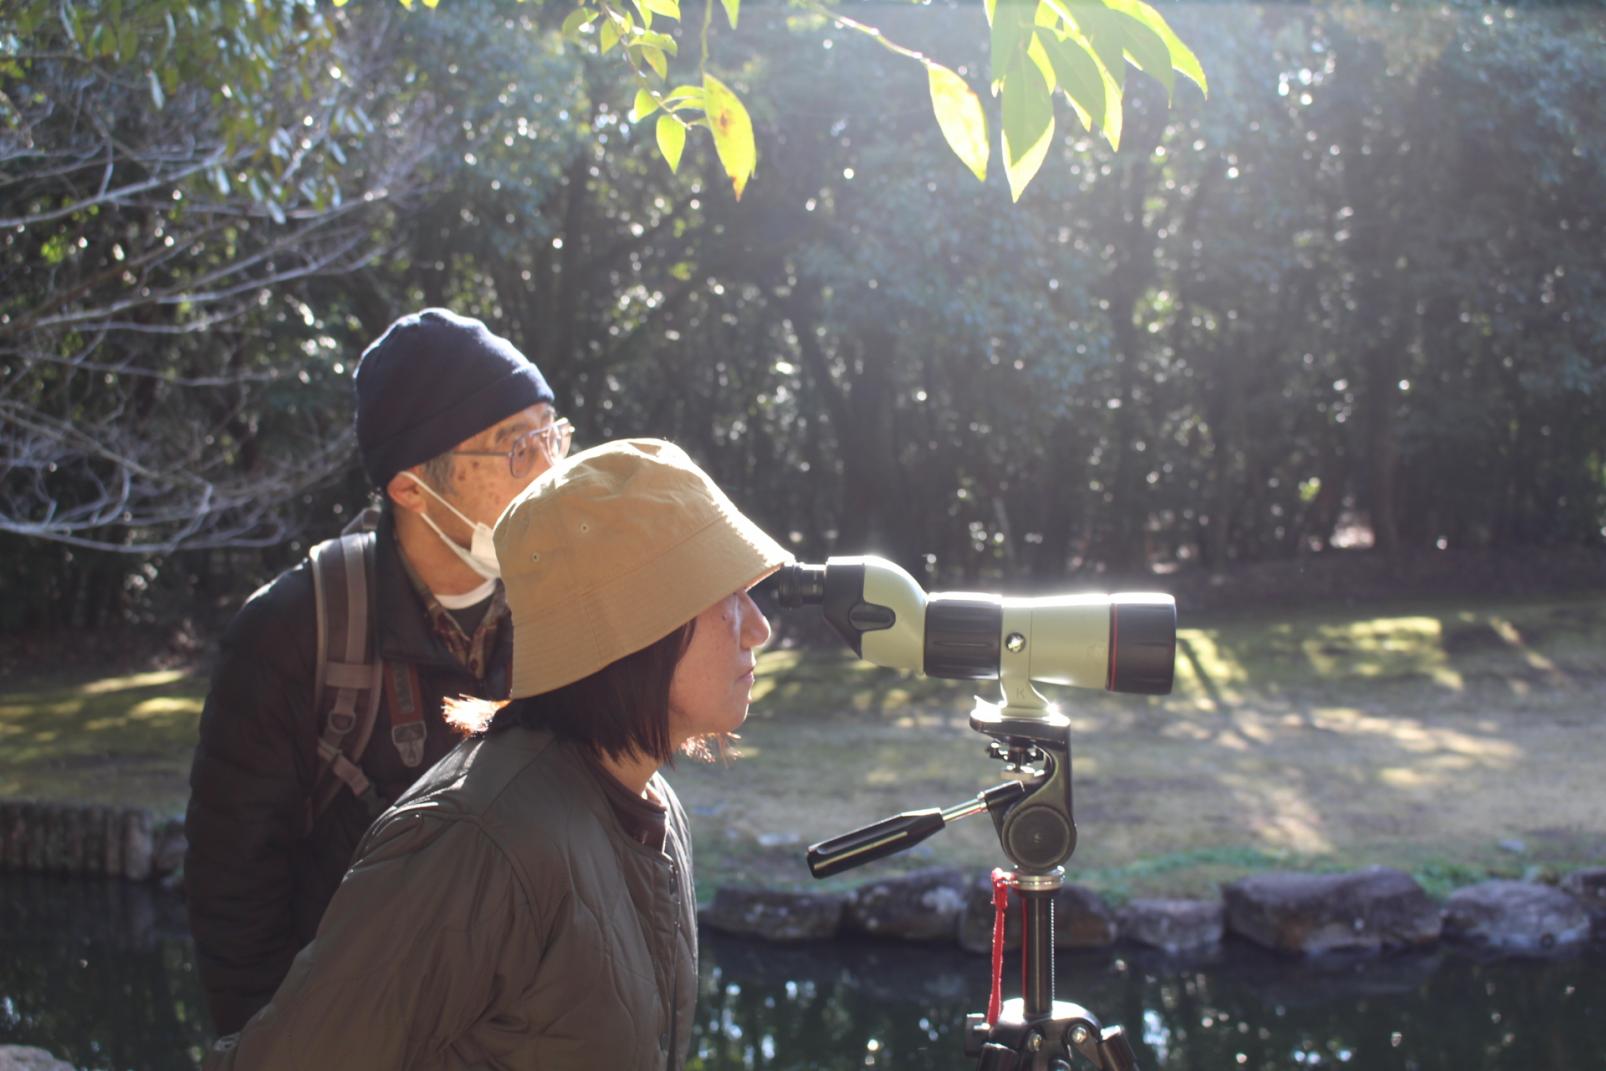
<point>481,555</point>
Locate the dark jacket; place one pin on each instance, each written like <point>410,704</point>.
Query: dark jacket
<point>257,880</point>
<point>498,918</point>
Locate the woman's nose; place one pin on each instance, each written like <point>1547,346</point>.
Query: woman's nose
<point>755,626</point>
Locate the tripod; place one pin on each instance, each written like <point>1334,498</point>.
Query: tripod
<point>1033,817</point>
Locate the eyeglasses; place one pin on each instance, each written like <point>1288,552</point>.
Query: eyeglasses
<point>551,440</point>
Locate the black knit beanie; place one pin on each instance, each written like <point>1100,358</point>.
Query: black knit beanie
<point>432,380</point>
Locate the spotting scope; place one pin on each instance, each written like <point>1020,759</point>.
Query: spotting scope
<point>1124,642</point>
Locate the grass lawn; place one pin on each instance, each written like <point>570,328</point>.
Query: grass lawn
<point>117,740</point>
<point>1431,736</point>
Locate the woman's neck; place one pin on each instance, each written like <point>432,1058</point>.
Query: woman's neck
<point>633,771</point>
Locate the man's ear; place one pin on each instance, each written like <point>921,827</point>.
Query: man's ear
<point>403,490</point>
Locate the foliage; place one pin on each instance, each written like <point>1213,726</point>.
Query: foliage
<point>175,176</point>
<point>1306,315</point>
<point>1078,48</point>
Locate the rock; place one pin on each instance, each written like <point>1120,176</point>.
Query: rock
<point>924,905</point>
<point>27,1058</point>
<point>1516,917</point>
<point>1081,918</point>
<point>776,915</point>
<point>1173,925</point>
<point>976,924</point>
<point>137,846</point>
<point>1589,886</point>
<point>1308,914</point>
<point>167,857</point>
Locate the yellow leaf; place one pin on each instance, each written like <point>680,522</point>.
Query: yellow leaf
<point>644,106</point>
<point>671,140</point>
<point>655,59</point>
<point>733,132</point>
<point>960,117</point>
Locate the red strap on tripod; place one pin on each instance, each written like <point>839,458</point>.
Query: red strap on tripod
<point>995,1002</point>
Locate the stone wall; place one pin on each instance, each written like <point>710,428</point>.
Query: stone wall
<point>1374,910</point>
<point>88,841</point>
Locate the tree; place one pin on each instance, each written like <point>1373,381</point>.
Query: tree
<point>168,188</point>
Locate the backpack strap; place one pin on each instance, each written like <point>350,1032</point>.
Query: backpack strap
<point>347,683</point>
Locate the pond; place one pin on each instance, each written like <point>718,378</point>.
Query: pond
<point>102,974</point>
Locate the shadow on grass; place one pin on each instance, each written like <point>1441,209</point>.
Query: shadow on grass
<point>114,740</point>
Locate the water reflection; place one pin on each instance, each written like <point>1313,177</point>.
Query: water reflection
<point>891,1006</point>
<point>102,975</point>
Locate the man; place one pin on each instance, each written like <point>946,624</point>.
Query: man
<point>452,422</point>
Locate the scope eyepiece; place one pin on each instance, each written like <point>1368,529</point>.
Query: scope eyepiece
<point>799,584</point>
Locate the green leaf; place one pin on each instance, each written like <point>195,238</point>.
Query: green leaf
<point>55,249</point>
<point>1148,53</point>
<point>661,41</point>
<point>671,139</point>
<point>645,13</point>
<point>579,17</point>
<point>961,118</point>
<point>733,8</point>
<point>1112,110</point>
<point>644,106</point>
<point>1027,106</point>
<point>1021,172</point>
<point>656,60</point>
<point>733,132</point>
<point>670,9</point>
<point>1104,30</point>
<point>609,35</point>
<point>1038,55</point>
<point>1182,58</point>
<point>1012,28</point>
<point>1077,72</point>
<point>690,96</point>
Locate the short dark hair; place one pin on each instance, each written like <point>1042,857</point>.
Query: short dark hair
<point>620,710</point>
<point>438,471</point>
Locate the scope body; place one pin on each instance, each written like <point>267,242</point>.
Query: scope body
<point>1125,642</point>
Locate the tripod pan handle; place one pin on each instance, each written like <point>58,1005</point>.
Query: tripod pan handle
<point>874,841</point>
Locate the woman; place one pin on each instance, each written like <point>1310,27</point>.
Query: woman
<point>529,903</point>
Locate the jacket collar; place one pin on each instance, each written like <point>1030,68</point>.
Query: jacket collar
<point>404,631</point>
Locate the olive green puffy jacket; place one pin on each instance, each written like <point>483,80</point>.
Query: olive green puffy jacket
<point>497,917</point>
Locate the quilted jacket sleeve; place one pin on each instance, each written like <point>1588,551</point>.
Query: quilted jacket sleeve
<point>426,936</point>
<point>249,783</point>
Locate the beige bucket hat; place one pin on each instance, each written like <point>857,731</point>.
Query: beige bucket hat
<point>613,549</point>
